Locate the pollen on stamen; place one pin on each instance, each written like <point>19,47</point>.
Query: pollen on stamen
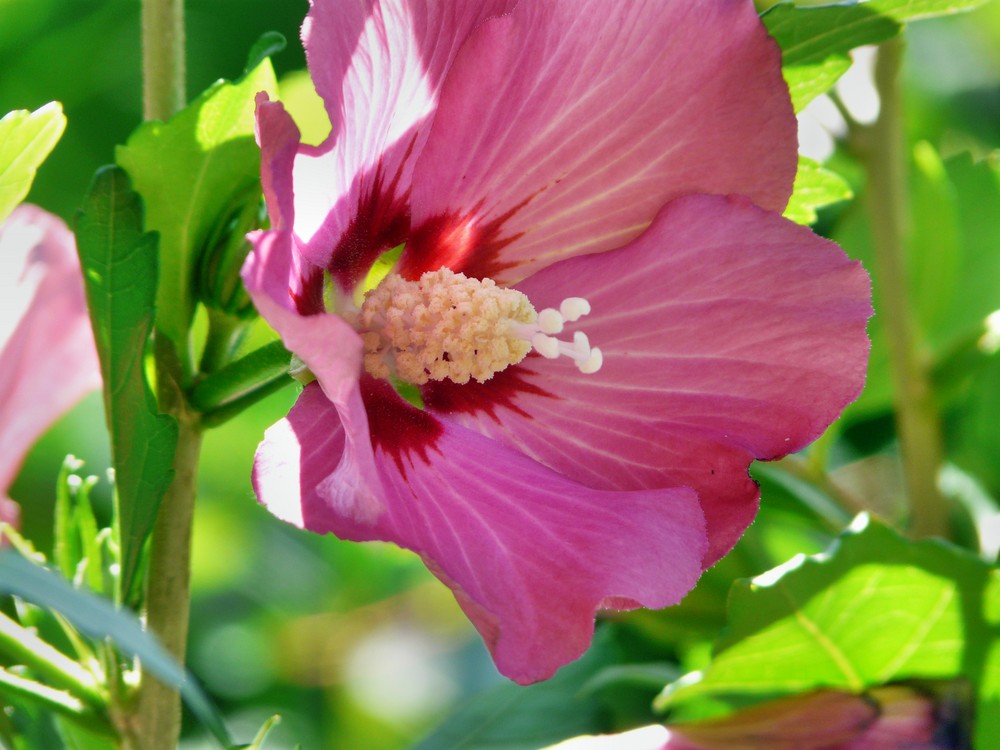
<point>448,326</point>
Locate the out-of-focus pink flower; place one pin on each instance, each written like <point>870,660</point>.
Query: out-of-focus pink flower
<point>617,168</point>
<point>887,718</point>
<point>47,355</point>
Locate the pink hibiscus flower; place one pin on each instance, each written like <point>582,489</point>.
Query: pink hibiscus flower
<point>47,355</point>
<point>615,167</point>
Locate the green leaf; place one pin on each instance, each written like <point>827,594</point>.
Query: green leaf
<point>26,138</point>
<point>13,685</point>
<point>647,675</point>
<point>120,267</point>
<point>261,736</point>
<point>511,717</point>
<point>953,273</point>
<point>815,187</point>
<point>99,619</point>
<point>935,248</point>
<point>188,170</point>
<point>970,199</point>
<point>815,41</point>
<point>874,609</point>
<point>269,44</point>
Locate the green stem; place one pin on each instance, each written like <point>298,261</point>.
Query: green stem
<point>162,58</point>
<point>168,598</point>
<point>917,421</point>
<point>56,701</point>
<point>22,646</point>
<point>157,717</point>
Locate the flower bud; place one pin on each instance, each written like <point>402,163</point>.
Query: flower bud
<point>218,282</point>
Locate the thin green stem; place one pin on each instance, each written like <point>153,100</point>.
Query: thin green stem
<point>168,598</point>
<point>57,701</point>
<point>917,421</point>
<point>22,646</point>
<point>157,718</point>
<point>162,58</point>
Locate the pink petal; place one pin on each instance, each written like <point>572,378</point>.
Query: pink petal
<point>279,140</point>
<point>47,356</point>
<point>279,280</point>
<point>728,334</point>
<point>564,127</point>
<point>326,343</point>
<point>378,64</point>
<point>529,553</point>
<point>310,469</point>
<point>288,294</point>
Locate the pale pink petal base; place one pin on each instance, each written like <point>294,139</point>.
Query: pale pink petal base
<point>47,359</point>
<point>728,334</point>
<point>530,554</point>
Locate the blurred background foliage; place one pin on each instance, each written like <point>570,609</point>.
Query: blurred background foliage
<point>356,645</point>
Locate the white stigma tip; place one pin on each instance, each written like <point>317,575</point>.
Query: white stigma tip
<point>593,363</point>
<point>550,321</point>
<point>581,343</point>
<point>547,346</point>
<point>574,308</point>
